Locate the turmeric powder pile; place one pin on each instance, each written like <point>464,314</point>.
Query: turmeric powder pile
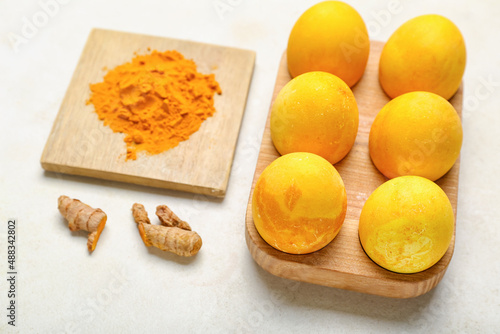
<point>157,100</point>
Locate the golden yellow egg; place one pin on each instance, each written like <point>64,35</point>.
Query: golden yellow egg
<point>332,37</point>
<point>315,112</point>
<point>427,53</point>
<point>417,133</point>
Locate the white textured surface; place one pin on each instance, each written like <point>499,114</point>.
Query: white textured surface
<point>124,287</point>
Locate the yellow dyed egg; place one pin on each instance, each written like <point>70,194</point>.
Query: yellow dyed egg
<point>315,112</point>
<point>332,37</point>
<point>299,203</point>
<point>407,224</point>
<point>417,133</point>
<point>427,53</point>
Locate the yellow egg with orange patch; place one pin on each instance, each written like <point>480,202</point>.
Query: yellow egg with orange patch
<point>299,203</point>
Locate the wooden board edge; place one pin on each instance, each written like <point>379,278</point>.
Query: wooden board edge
<point>98,30</point>
<point>142,181</point>
<point>251,70</point>
<point>56,122</point>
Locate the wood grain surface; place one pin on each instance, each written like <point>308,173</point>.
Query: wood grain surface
<point>80,144</point>
<point>343,263</point>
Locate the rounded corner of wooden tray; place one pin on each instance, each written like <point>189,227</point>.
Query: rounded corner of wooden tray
<point>362,276</point>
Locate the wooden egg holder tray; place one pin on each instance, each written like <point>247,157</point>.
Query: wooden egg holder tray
<point>343,263</point>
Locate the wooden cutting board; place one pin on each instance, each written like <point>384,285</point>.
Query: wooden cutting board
<point>80,144</point>
<point>343,263</point>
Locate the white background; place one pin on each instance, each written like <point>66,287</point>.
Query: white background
<point>125,287</point>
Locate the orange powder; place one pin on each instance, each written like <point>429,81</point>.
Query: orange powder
<point>156,100</point>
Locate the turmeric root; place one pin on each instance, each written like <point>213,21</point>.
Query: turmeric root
<point>170,239</point>
<point>80,216</point>
<point>170,219</point>
<point>92,240</point>
<point>140,214</point>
